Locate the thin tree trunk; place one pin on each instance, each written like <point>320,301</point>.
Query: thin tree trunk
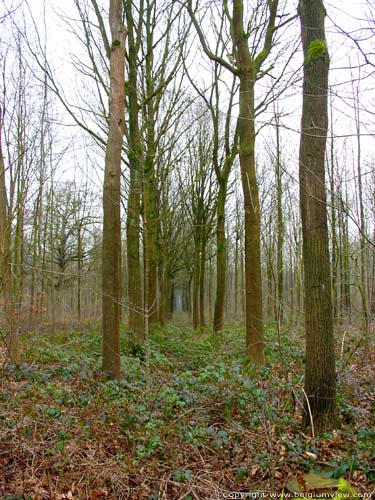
<point>149,180</point>
<point>6,282</point>
<point>236,273</point>
<point>135,294</point>
<point>221,258</point>
<point>111,252</point>
<point>363,286</point>
<point>333,197</point>
<point>202,274</point>
<point>195,289</point>
<point>279,310</point>
<point>79,271</point>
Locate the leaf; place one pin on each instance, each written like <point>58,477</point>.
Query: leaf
<point>242,472</point>
<point>176,475</point>
<point>53,412</point>
<point>188,474</point>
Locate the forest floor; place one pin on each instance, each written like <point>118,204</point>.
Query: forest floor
<point>209,427</point>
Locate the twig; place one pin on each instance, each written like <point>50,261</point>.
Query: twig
<point>310,414</point>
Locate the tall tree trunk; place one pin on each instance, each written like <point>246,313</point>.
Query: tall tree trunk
<point>165,293</point>
<point>195,287</point>
<point>246,129</point>
<point>248,68</point>
<point>111,253</point>
<point>279,310</point>
<point>79,271</point>
<point>238,285</point>
<point>221,258</point>
<point>135,295</point>
<point>149,179</point>
<point>372,289</point>
<point>333,198</point>
<point>202,275</point>
<point>363,285</point>
<point>236,272</point>
<point>6,282</point>
<point>346,250</point>
<point>320,376</point>
<point>150,227</point>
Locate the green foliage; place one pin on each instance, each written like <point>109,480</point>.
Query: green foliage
<point>181,476</point>
<point>149,446</point>
<point>242,472</point>
<point>53,412</point>
<point>204,393</point>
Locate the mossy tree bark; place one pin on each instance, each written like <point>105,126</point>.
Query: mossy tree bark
<point>111,253</point>
<point>320,377</point>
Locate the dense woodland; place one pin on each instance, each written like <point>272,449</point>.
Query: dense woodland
<point>187,265</point>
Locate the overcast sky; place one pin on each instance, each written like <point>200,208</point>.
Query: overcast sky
<point>350,16</point>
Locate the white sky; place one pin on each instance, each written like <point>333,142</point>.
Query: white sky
<point>348,14</point>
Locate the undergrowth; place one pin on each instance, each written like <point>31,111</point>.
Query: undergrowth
<point>210,424</point>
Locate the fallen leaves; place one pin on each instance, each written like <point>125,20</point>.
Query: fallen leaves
<point>68,437</point>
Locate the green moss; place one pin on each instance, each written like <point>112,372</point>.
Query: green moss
<point>317,48</point>
<point>115,43</point>
<point>344,490</point>
<point>259,59</point>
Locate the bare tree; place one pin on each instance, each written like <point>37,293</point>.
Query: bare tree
<point>252,43</point>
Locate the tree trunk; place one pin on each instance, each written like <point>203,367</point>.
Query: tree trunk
<point>195,286</point>
<point>320,377</point>
<point>111,253</point>
<point>149,178</point>
<point>279,309</point>
<point>202,274</point>
<point>221,258</point>
<point>135,295</point>
<point>6,282</point>
<point>246,129</point>
<point>79,271</point>
<point>363,285</point>
<point>333,197</point>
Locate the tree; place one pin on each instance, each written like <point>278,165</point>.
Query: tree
<point>135,156</point>
<point>6,285</point>
<point>162,106</point>
<point>224,152</point>
<point>199,199</point>
<point>247,63</point>
<point>111,252</point>
<point>363,279</point>
<point>320,377</point>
